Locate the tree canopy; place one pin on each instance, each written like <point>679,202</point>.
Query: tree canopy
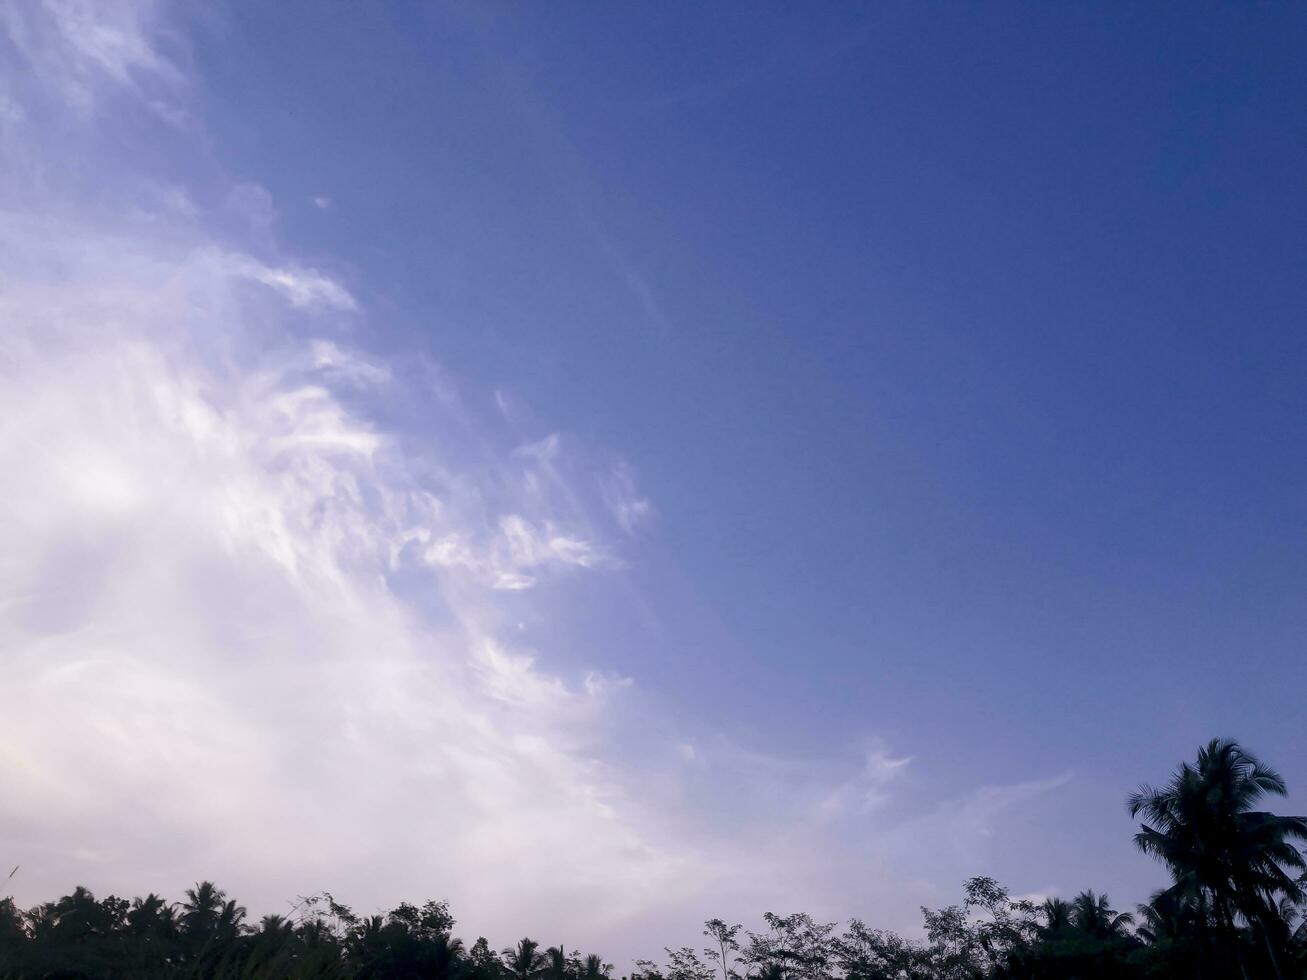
<point>1233,908</point>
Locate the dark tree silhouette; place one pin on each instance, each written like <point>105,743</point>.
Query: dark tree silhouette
<point>523,961</point>
<point>1057,916</point>
<point>1234,908</point>
<point>1203,826</point>
<point>1093,914</point>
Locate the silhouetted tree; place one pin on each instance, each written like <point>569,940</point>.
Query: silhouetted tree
<point>555,965</point>
<point>593,967</point>
<point>1093,914</point>
<point>482,963</point>
<point>1057,916</point>
<point>1234,907</point>
<point>523,961</point>
<point>1203,827</point>
<point>725,946</point>
<point>201,909</point>
<point>795,945</point>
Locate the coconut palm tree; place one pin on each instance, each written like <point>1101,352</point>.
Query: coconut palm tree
<point>231,918</point>
<point>1203,826</point>
<point>364,938</point>
<point>524,960</point>
<point>1057,916</point>
<point>1169,916</point>
<point>594,968</point>
<point>11,923</point>
<point>79,915</point>
<point>555,967</point>
<point>202,908</point>
<point>1094,915</point>
<point>151,915</point>
<point>443,957</point>
<point>276,925</point>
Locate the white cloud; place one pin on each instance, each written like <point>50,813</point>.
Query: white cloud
<point>629,508</point>
<point>868,789</point>
<point>82,49</point>
<point>544,450</point>
<point>302,287</point>
<point>199,535</point>
<point>203,546</point>
<point>247,629</point>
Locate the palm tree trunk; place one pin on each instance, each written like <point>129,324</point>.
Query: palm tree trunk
<point>1227,921</point>
<point>1270,950</point>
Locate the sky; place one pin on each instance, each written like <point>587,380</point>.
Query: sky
<point>615,465</point>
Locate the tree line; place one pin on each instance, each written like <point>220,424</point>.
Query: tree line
<point>1234,908</point>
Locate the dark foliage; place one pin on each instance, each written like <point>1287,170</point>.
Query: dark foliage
<point>1232,910</point>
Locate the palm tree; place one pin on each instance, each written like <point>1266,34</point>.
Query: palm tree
<point>79,914</point>
<point>1094,914</point>
<point>230,919</point>
<point>202,908</point>
<point>276,925</point>
<point>153,924</point>
<point>42,922</point>
<point>594,968</point>
<point>444,957</point>
<point>365,936</point>
<point>1169,916</point>
<point>151,914</point>
<point>11,923</point>
<point>555,967</point>
<point>524,960</point>
<point>1203,827</point>
<point>1057,915</point>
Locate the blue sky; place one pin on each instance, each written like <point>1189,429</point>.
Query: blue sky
<point>870,439</point>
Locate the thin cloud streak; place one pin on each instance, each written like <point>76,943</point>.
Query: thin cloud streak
<point>197,559</point>
<point>249,631</point>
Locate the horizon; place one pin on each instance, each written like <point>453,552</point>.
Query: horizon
<point>614,467</point>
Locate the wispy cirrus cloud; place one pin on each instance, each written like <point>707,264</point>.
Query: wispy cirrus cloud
<point>82,50</point>
<point>629,507</point>
<point>199,550</point>
<point>301,287</point>
<point>206,531</point>
<point>251,626</point>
